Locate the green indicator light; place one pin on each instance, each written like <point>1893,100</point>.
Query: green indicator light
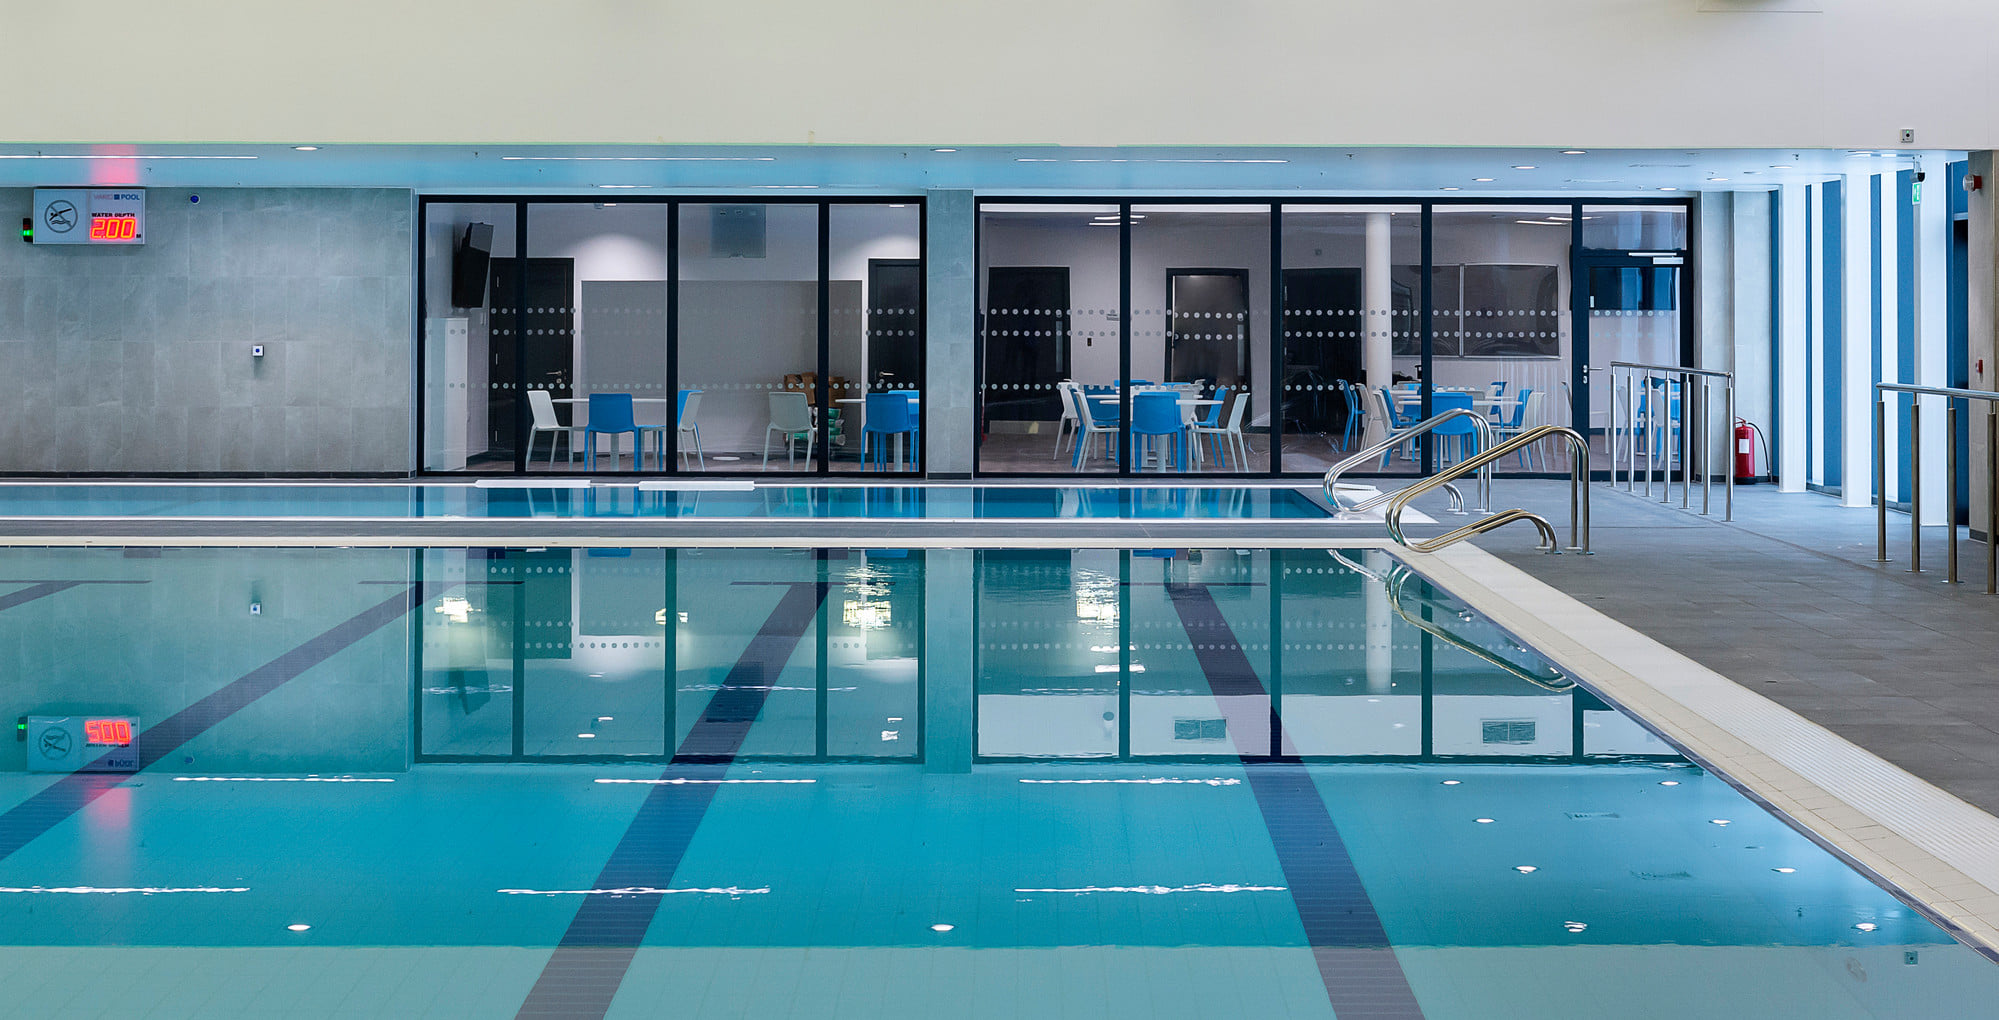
<point>28,235</point>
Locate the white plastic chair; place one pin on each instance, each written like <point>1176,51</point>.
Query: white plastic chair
<point>1530,416</point>
<point>790,415</point>
<point>541,408</point>
<point>1089,428</point>
<point>1065,429</point>
<point>1228,433</point>
<point>690,431</point>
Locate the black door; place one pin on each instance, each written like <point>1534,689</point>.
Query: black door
<point>1027,342</point>
<point>1207,326</point>
<point>895,323</point>
<point>547,347</point>
<point>1321,344</point>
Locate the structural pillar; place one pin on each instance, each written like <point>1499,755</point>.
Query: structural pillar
<point>948,639</point>
<point>1377,350</point>
<point>950,397</point>
<point>1380,633</point>
<point>1982,320</point>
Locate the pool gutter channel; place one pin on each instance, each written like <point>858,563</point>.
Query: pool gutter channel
<point>1662,690</point>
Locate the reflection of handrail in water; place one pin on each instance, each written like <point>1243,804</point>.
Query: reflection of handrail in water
<point>1399,575</point>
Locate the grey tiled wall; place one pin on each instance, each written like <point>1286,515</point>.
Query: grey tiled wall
<point>139,359</point>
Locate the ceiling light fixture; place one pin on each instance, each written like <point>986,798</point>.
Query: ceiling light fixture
<point>298,927</point>
<point>1574,152</point>
<point>1785,871</point>
<point>305,148</point>
<point>1483,821</point>
<point>943,150</point>
<point>1483,180</point>
<point>1447,189</point>
<point>1525,166</point>
<point>1716,180</point>
<point>1669,782</point>
<point>1526,869</point>
<point>1669,189</point>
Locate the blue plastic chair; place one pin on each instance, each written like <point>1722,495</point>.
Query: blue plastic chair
<point>1355,419</point>
<point>610,414</point>
<point>1155,414</point>
<point>1509,427</point>
<point>1214,418</point>
<point>888,415</point>
<point>1464,430</point>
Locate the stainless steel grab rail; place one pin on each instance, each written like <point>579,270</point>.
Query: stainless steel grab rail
<point>1578,495</point>
<point>1669,416</point>
<point>1399,575</point>
<point>1951,395</point>
<point>1484,429</point>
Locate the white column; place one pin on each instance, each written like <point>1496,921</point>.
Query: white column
<point>1795,262</point>
<point>1891,341</point>
<point>1856,385</point>
<point>1932,339</point>
<point>1982,277</point>
<point>1377,347</point>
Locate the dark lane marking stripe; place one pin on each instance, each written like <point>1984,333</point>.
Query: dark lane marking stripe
<point>1349,944</point>
<point>583,974</point>
<point>43,589</point>
<point>39,589</point>
<point>72,793</point>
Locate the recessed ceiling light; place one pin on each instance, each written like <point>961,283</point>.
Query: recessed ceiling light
<point>1447,189</point>
<point>1574,152</point>
<point>1782,166</point>
<point>1716,180</point>
<point>942,927</point>
<point>1717,821</point>
<point>1669,189</point>
<point>1669,782</point>
<point>1524,166</point>
<point>1526,869</point>
<point>298,927</point>
<point>943,150</point>
<point>1483,821</point>
<point>306,148</point>
<point>1451,782</point>
<point>1484,180</point>
<point>1575,927</point>
<point>586,736</point>
<point>1784,871</point>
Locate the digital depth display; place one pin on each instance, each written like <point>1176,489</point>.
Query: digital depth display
<point>114,227</point>
<point>107,732</point>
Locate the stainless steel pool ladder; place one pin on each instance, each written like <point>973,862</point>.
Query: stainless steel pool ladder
<point>1578,495</point>
<point>1482,426</point>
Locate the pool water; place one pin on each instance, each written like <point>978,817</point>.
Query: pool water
<point>633,500</point>
<point>879,783</point>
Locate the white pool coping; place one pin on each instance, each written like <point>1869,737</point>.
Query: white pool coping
<point>1933,847</point>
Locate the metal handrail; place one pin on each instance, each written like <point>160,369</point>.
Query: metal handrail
<point>1951,395</point>
<point>1484,429</point>
<point>1399,574</point>
<point>1667,419</point>
<point>1578,495</point>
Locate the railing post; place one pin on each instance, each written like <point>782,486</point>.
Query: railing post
<point>1950,482</point>
<point>1992,499</point>
<point>1688,413</point>
<point>1707,449</point>
<point>1880,477</point>
<point>1915,486</point>
<point>1728,487</point>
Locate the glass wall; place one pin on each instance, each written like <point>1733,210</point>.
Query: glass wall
<point>1351,285</point>
<point>1049,312</point>
<point>595,311</point>
<point>469,346</point>
<point>1503,343</point>
<point>1200,333</point>
<point>725,336</point>
<point>875,347</point>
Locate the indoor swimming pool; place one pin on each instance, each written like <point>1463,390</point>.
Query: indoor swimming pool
<point>653,499</point>
<point>874,783</point>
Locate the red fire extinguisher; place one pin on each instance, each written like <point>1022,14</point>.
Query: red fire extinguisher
<point>1745,451</point>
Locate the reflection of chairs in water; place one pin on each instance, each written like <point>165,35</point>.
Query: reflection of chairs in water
<point>1158,502</point>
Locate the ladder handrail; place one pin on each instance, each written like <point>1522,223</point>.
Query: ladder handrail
<point>1578,495</point>
<point>1423,427</point>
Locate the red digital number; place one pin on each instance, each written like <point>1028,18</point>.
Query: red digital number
<point>107,731</point>
<point>115,227</point>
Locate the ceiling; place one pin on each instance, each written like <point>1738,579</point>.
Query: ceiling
<point>1038,170</point>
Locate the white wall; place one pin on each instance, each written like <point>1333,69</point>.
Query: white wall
<point>1359,72</point>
